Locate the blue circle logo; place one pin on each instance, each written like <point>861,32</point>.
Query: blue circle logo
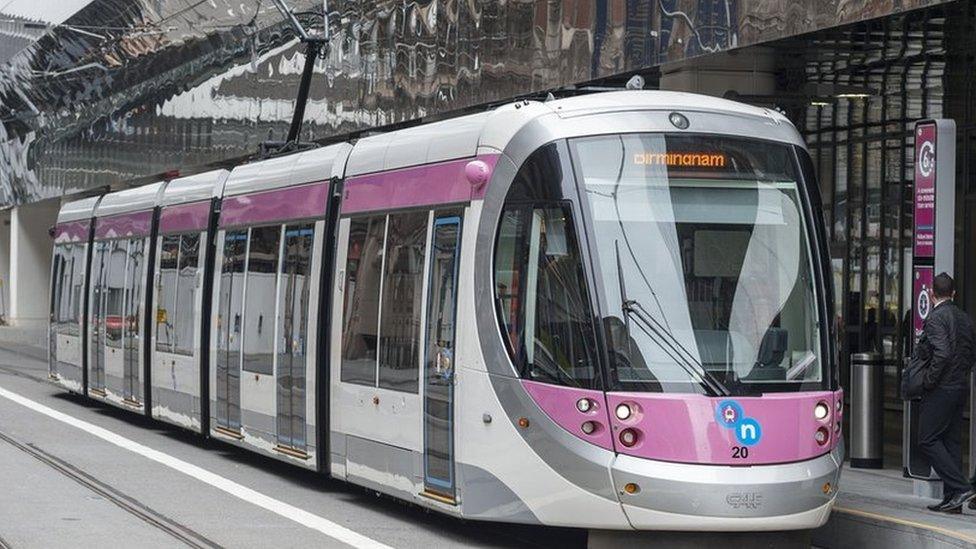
<point>728,414</point>
<point>748,431</point>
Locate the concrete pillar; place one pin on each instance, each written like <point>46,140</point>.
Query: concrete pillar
<point>747,72</point>
<point>30,262</point>
<point>5,263</point>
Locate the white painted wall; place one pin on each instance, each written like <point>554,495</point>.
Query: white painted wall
<point>30,262</point>
<point>5,263</point>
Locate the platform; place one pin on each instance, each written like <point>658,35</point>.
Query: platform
<point>876,508</point>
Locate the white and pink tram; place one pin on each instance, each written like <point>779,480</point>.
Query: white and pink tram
<point>606,311</point>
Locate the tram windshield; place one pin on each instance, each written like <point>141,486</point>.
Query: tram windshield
<point>703,264</point>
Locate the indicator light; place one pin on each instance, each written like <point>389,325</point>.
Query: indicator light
<point>628,437</point>
<point>623,412</point>
<point>588,427</point>
<point>584,405</point>
<point>826,488</point>
<point>631,488</point>
<point>523,422</point>
<point>840,404</point>
<point>821,410</point>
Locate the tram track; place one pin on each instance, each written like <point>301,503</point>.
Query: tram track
<point>180,532</point>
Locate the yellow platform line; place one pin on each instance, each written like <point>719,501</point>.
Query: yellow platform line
<point>904,522</point>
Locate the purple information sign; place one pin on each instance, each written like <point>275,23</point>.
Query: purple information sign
<point>925,190</point>
<point>921,284</point>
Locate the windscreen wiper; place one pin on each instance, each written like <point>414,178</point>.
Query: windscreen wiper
<point>664,338</point>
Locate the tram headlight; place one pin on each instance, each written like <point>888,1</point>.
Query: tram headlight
<point>822,436</point>
<point>584,405</point>
<point>628,437</point>
<point>821,410</point>
<point>623,412</point>
<point>588,427</point>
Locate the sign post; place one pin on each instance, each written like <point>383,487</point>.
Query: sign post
<point>933,248</point>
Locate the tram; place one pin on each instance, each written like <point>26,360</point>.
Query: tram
<point>604,311</point>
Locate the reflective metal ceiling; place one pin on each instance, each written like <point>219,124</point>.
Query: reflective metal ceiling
<point>129,89</point>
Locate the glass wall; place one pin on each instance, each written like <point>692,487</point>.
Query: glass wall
<point>882,76</point>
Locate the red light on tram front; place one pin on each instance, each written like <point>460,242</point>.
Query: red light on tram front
<point>822,436</point>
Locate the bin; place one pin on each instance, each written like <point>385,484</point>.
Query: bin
<point>867,411</point>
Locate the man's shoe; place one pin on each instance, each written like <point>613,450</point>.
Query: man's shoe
<point>956,502</point>
<point>937,506</point>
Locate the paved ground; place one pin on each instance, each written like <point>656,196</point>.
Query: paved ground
<point>64,485</point>
<point>61,486</point>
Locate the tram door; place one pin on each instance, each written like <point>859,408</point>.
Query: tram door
<point>230,303</point>
<point>293,303</point>
<point>439,357</point>
<point>392,396</point>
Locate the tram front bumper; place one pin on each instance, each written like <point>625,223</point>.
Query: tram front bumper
<point>683,496</point>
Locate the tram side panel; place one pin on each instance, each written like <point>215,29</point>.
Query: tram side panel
<point>264,321</point>
<point>176,331</point>
<point>387,380</point>
<point>68,285</point>
<point>117,298</point>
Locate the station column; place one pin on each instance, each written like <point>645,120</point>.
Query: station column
<point>30,264</point>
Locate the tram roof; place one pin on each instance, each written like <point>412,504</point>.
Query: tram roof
<point>194,188</point>
<point>309,166</point>
<point>135,199</point>
<point>491,131</point>
<point>78,210</point>
<point>460,137</point>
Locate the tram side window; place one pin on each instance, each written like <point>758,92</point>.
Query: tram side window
<point>406,247</point>
<point>293,301</point>
<point>57,279</point>
<point>134,282</point>
<point>114,289</point>
<point>63,267</point>
<point>186,291</point>
<point>259,294</point>
<point>541,297</point>
<point>175,313</point>
<point>77,286</point>
<point>166,302</point>
<point>230,300</point>
<point>363,272</point>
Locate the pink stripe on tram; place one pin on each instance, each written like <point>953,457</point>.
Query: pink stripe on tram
<point>560,404</point>
<point>443,183</point>
<point>687,428</point>
<point>185,217</point>
<point>279,205</point>
<point>124,225</point>
<point>72,231</point>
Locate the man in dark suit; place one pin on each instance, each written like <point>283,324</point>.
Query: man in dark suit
<point>948,347</point>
